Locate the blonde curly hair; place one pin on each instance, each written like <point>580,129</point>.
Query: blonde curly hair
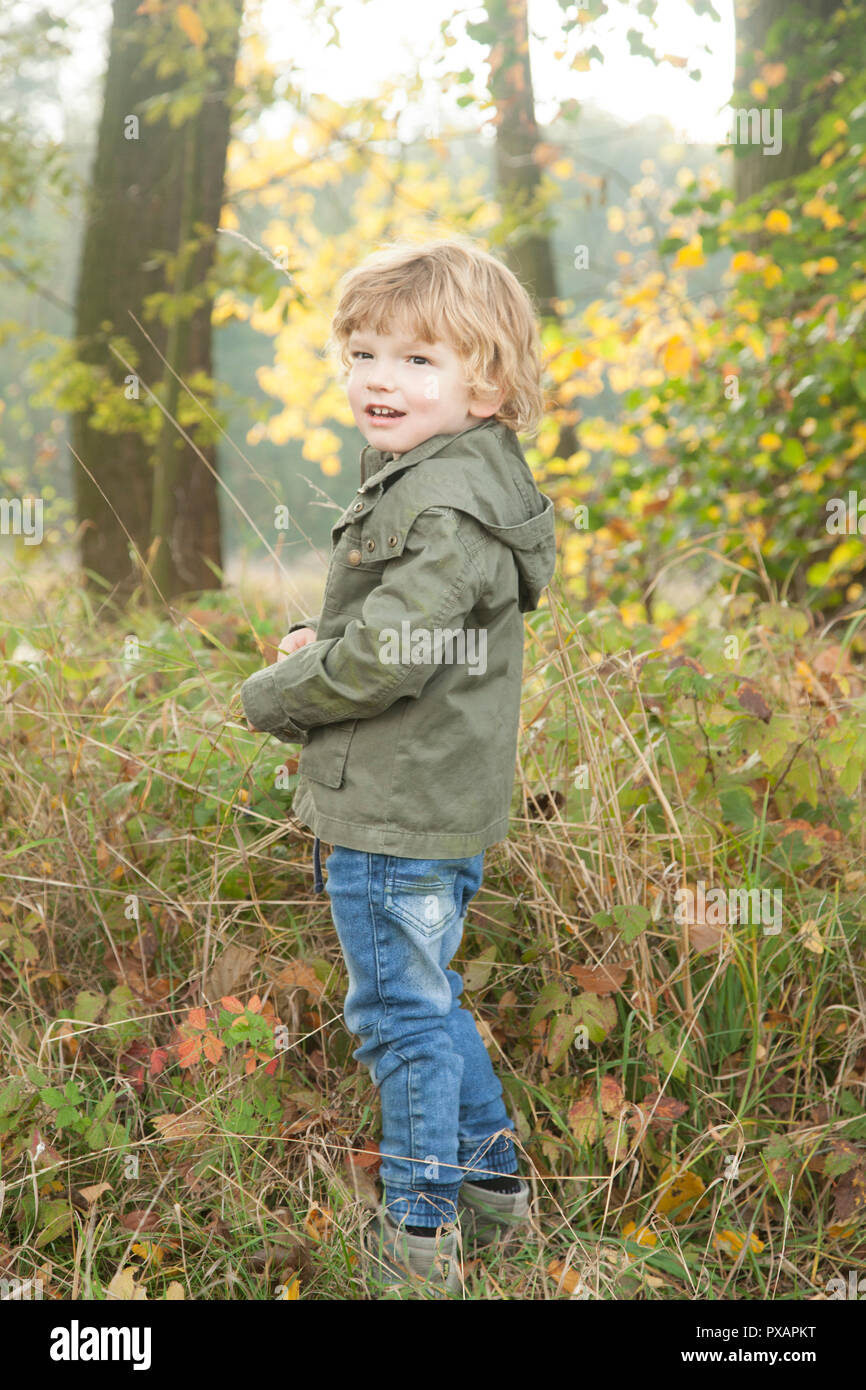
<point>449,289</point>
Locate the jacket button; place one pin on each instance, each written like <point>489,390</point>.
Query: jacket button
<point>371,545</point>
<point>354,557</point>
<point>392,540</point>
<point>358,507</point>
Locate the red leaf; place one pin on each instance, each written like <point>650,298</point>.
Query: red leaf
<point>188,1052</point>
<point>665,1109</point>
<point>601,979</point>
<point>368,1157</point>
<point>158,1059</point>
<point>197,1018</point>
<point>231,1004</point>
<point>139,1220</point>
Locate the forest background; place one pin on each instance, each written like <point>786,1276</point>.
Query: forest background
<point>666,958</point>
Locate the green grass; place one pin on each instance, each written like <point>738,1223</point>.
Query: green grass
<point>151,868</point>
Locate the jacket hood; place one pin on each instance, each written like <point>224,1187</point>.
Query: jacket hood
<point>482,471</point>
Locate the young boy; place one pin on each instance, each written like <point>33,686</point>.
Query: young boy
<point>405,694</point>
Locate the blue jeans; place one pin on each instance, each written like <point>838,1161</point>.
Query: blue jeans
<point>400,922</point>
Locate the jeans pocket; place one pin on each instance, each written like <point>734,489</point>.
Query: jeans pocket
<point>420,894</point>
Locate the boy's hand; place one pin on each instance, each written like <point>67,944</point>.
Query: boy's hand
<point>294,640</point>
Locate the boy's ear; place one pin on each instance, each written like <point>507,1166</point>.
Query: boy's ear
<point>485,408</point>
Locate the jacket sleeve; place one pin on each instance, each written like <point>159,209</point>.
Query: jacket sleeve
<point>434,583</point>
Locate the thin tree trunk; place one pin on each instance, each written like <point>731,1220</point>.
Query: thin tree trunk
<point>135,212</point>
<point>518,176</point>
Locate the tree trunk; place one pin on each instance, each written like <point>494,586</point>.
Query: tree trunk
<point>135,215</point>
<point>753,170</point>
<point>518,176</point>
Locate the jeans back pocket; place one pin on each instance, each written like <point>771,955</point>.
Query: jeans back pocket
<point>420,894</point>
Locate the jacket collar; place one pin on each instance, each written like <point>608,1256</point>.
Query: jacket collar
<point>377,465</point>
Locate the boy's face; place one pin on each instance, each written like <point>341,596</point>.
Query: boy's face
<point>423,383</point>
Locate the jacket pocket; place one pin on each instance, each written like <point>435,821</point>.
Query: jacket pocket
<point>323,758</point>
<point>420,896</point>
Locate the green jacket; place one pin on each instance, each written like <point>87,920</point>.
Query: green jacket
<point>409,738</point>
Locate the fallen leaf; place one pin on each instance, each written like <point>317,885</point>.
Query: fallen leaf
<point>681,1194</point>
<point>611,1096</point>
<point>599,979</point>
<point>317,1223</point>
<point>731,1243</point>
<point>584,1120</point>
<point>811,938</point>
<point>90,1194</point>
<point>298,975</point>
<point>753,702</point>
<point>661,1111</point>
<point>124,1286</point>
<point>140,1219</point>
<point>567,1280</point>
<point>178,1127</point>
<point>641,1236</point>
<point>367,1157</point>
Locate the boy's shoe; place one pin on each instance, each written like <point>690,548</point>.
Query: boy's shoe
<point>397,1257</point>
<point>491,1216</point>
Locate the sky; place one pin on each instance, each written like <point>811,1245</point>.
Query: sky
<point>382,39</point>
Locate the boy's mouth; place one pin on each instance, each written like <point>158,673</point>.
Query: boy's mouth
<point>383,412</point>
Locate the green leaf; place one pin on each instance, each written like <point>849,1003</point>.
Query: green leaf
<point>551,999</point>
<point>51,1096</point>
<point>596,1014</point>
<point>792,452</point>
<point>13,1095</point>
<point>88,1006</point>
<point>737,806</point>
<point>657,1045</point>
<point>561,1037</point>
<point>631,919</point>
<point>55,1219</point>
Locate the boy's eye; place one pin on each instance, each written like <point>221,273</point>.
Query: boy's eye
<point>358,352</point>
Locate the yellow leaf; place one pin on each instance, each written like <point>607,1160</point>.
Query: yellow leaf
<point>759,89</point>
<point>810,936</point>
<point>641,1236</point>
<point>770,440</point>
<point>826,265</point>
<point>744,260</point>
<point>731,1242</point>
<point>317,1222</point>
<point>677,356</point>
<point>180,1127</point>
<point>567,1280</point>
<point>691,254</point>
<point>682,1193</point>
<point>175,1292</point>
<point>124,1286</point>
<point>615,219</point>
<point>777,221</point>
<point>191,24</point>
<point>774,73</point>
<point>291,1292</point>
